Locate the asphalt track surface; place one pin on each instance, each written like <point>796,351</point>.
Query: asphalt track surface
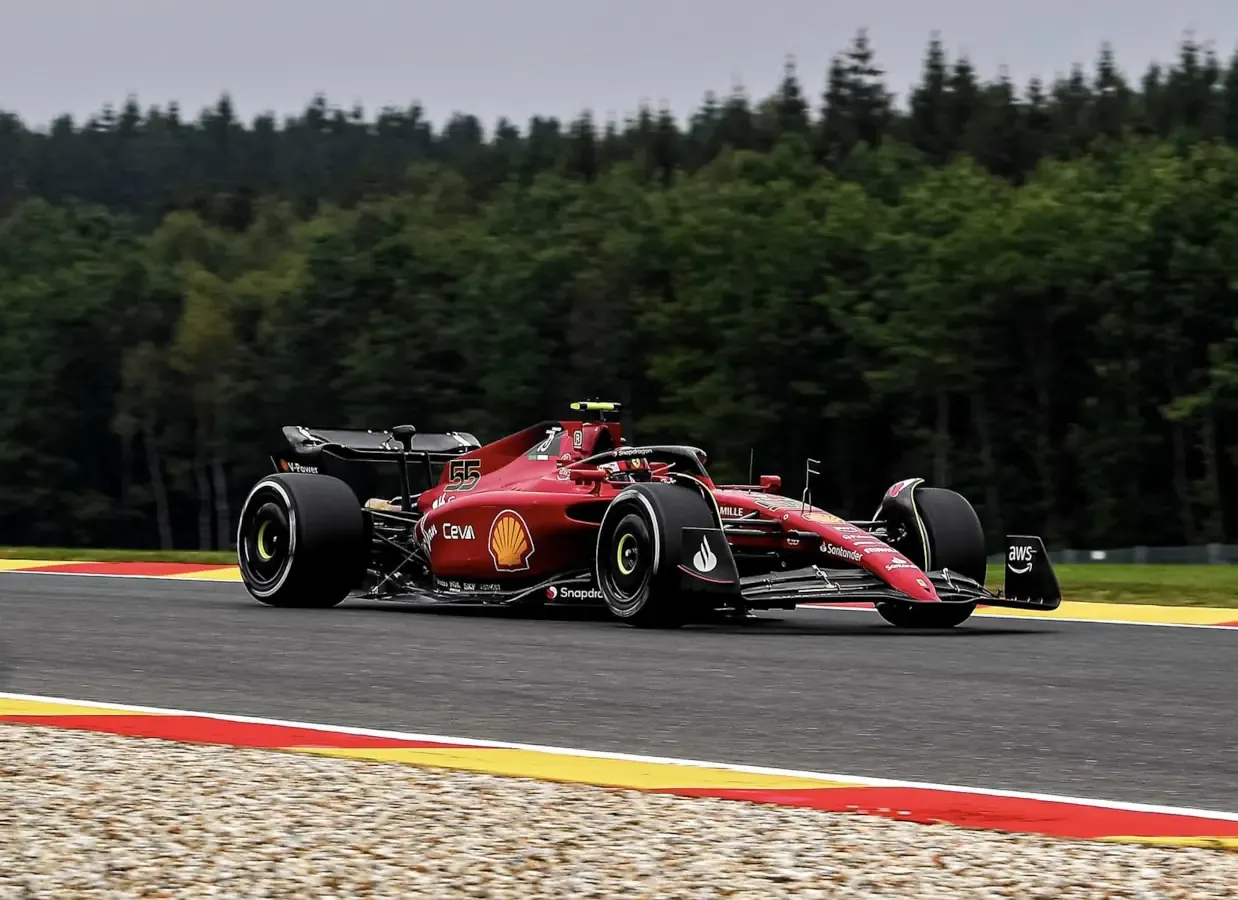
<point>1117,712</point>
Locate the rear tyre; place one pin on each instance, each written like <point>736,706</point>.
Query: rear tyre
<point>955,540</point>
<point>301,541</point>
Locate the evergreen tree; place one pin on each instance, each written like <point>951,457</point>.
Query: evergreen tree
<point>790,105</point>
<point>1113,97</point>
<point>931,130</point>
<point>869,102</point>
<point>1229,126</point>
<point>582,148</point>
<point>838,130</point>
<point>736,128</point>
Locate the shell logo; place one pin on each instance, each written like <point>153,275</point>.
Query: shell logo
<point>510,542</point>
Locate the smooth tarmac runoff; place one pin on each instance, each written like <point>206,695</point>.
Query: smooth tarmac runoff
<point>1120,712</point>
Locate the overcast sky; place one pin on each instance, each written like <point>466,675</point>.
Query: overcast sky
<point>520,57</point>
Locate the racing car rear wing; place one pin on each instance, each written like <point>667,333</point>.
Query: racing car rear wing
<point>384,443</point>
<point>357,457</point>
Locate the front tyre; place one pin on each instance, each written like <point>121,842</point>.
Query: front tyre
<point>662,557</point>
<point>630,561</point>
<point>925,615</point>
<point>301,541</point>
<point>629,550</point>
<point>941,531</point>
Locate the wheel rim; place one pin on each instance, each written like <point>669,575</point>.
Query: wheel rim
<point>626,579</point>
<point>627,556</point>
<point>266,550</point>
<point>266,541</point>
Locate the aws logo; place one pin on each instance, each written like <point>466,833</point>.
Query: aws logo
<point>1021,558</point>
<point>511,545</point>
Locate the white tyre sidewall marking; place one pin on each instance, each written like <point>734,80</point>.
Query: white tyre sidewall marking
<point>292,533</point>
<point>657,544</point>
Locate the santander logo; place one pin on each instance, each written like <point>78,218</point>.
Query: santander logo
<point>704,561</point>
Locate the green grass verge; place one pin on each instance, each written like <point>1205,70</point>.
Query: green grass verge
<point>1171,585</point>
<point>1183,585</point>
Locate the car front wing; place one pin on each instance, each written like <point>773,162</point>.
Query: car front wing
<point>815,584</point>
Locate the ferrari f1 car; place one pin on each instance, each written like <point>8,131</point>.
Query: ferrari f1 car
<point>567,513</point>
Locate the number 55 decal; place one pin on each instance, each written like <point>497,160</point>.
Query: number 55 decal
<point>462,474</point>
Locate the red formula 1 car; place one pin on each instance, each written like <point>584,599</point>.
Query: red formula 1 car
<point>567,512</point>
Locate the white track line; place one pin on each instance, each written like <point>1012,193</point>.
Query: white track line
<point>863,781</point>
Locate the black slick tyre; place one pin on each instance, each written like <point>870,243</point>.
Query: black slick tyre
<point>921,615</point>
<point>638,551</point>
<point>301,541</point>
<point>955,540</point>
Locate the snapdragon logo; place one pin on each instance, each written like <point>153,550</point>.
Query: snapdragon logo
<point>571,593</point>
